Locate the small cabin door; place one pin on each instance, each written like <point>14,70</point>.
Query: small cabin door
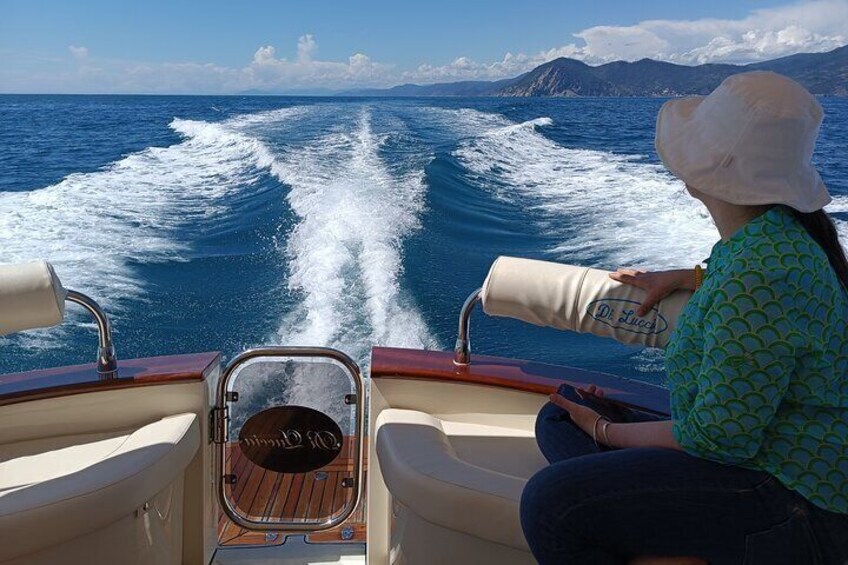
<point>289,425</point>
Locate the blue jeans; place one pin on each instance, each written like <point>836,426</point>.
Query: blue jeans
<point>607,506</point>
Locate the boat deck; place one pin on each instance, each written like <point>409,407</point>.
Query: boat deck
<point>269,496</point>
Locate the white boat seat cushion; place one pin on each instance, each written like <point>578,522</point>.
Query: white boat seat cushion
<point>56,489</point>
<point>422,470</point>
<point>31,296</point>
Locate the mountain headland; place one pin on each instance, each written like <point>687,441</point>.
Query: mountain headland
<point>822,73</point>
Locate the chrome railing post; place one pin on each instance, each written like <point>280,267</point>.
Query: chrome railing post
<point>107,361</point>
<point>462,349</point>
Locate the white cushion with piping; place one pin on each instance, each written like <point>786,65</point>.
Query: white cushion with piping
<point>423,471</point>
<point>56,489</point>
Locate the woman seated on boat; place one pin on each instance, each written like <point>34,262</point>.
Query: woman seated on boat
<point>752,467</point>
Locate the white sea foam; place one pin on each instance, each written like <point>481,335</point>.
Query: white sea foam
<point>839,205</point>
<point>268,117</point>
<point>460,123</point>
<point>842,230</point>
<point>606,209</point>
<point>94,226</point>
<point>344,254</point>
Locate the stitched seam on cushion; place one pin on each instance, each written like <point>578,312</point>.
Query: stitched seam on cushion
<point>118,433</point>
<point>464,463</point>
<point>463,487</point>
<point>118,448</point>
<point>455,485</point>
<point>574,307</point>
<point>487,283</point>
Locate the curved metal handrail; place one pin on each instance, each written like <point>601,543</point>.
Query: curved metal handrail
<point>462,349</point>
<point>107,361</point>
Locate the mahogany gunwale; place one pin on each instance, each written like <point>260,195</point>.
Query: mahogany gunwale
<point>513,374</point>
<point>80,379</point>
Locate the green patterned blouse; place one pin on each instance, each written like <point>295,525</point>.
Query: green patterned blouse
<point>758,363</point>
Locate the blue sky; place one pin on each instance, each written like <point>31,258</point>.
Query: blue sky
<point>228,46</point>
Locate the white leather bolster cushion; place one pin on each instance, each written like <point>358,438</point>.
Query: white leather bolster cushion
<point>31,296</point>
<point>96,488</point>
<point>580,299</point>
<point>423,472</point>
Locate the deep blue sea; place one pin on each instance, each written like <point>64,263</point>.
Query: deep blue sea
<point>221,223</point>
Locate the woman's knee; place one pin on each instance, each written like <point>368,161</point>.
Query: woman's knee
<point>533,496</point>
<point>551,493</point>
<point>538,506</point>
<point>551,526</point>
<point>556,488</point>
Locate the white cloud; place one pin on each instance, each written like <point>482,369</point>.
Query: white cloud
<point>267,72</point>
<point>306,46</point>
<point>264,55</point>
<point>78,53</point>
<point>806,26</point>
<point>809,26</point>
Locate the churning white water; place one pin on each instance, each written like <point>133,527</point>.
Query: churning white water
<point>344,254</point>
<point>607,209</point>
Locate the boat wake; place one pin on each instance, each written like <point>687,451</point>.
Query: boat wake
<point>145,208</point>
<point>606,209</point>
<point>344,254</point>
<point>352,212</point>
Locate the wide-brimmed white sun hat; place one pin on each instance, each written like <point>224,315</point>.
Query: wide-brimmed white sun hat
<point>750,141</point>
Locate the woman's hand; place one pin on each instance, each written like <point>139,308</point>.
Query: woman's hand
<point>583,417</point>
<point>657,284</point>
<point>591,389</point>
<point>620,435</point>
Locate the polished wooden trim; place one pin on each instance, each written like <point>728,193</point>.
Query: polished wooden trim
<point>78,379</point>
<point>526,376</point>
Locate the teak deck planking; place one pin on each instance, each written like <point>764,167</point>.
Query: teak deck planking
<point>265,495</point>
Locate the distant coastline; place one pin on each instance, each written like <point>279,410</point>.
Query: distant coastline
<point>822,73</point>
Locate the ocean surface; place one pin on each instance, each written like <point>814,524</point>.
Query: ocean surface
<point>221,223</point>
